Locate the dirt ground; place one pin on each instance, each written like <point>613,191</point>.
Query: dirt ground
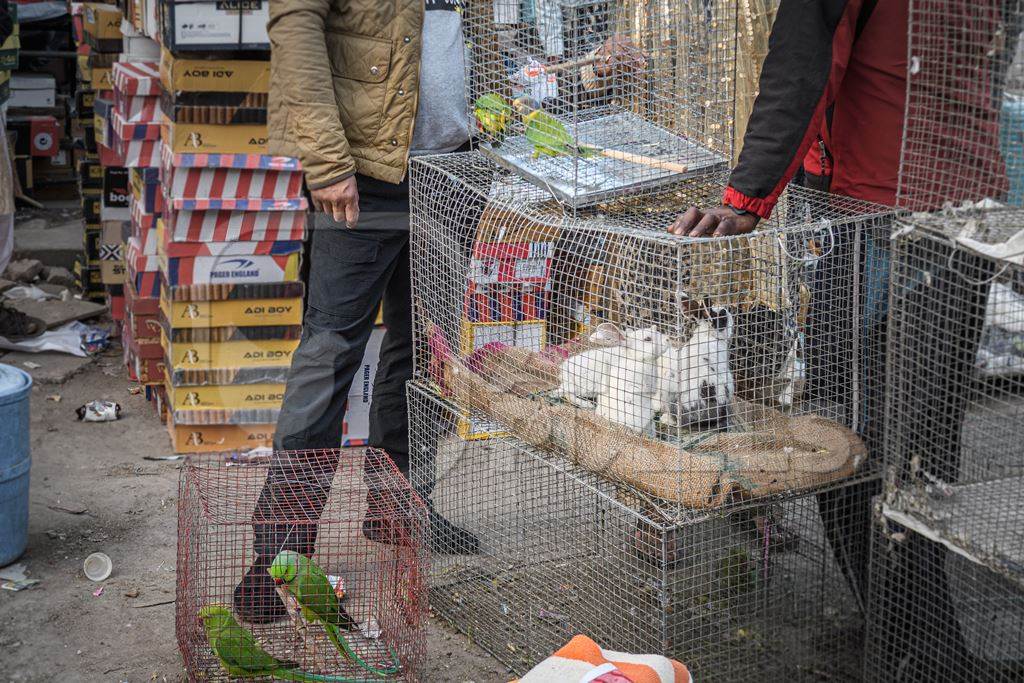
<point>92,491</point>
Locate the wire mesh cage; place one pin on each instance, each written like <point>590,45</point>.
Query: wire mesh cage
<point>301,562</point>
<point>948,562</point>
<point>962,136</point>
<point>698,371</point>
<point>594,98</point>
<point>736,595</point>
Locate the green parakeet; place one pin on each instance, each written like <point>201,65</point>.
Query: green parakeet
<point>240,655</point>
<point>315,595</point>
<point>550,137</point>
<point>493,114</point>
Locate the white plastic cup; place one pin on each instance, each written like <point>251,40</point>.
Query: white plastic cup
<point>98,567</point>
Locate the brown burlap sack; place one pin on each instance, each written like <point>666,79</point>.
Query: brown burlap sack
<point>778,453</point>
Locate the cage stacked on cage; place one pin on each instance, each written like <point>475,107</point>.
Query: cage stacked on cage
<point>354,532</point>
<point>946,599</point>
<point>595,98</point>
<point>947,596</point>
<point>737,594</point>
<point>688,378</point>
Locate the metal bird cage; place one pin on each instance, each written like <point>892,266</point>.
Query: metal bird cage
<point>702,372</point>
<point>235,514</point>
<point>749,593</point>
<point>962,136</point>
<point>947,601</point>
<point>948,560</point>
<point>637,93</point>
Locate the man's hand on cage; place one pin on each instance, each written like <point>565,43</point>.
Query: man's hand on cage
<point>340,201</point>
<point>718,222</point>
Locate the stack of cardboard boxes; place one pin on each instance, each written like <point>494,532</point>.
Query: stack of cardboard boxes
<point>213,225</point>
<point>137,127</point>
<point>36,111</point>
<point>103,189</point>
<point>229,250</point>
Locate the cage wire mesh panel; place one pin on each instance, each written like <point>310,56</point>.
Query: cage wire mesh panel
<point>594,98</point>
<point>698,371</point>
<point>948,560</point>
<point>339,537</point>
<point>735,596</point>
<point>961,83</point>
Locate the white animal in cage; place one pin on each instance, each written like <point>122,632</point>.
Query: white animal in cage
<point>627,397</point>
<point>583,375</point>
<point>695,383</point>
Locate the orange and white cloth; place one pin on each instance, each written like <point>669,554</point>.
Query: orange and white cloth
<point>583,661</point>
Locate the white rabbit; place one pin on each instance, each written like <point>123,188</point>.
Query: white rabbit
<point>630,384</point>
<point>582,376</point>
<point>695,383</point>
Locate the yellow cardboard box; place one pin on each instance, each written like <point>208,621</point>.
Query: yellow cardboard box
<point>229,354</point>
<point>101,24</point>
<point>242,312</point>
<point>217,438</point>
<point>206,138</point>
<point>225,397</point>
<point>186,74</point>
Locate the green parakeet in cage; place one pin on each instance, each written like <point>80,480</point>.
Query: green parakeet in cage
<point>241,656</point>
<point>550,137</point>
<point>493,114</point>
<point>318,601</point>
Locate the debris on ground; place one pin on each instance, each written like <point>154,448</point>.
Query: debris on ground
<point>58,275</point>
<point>70,511</point>
<point>98,567</point>
<point>13,578</point>
<point>23,270</point>
<point>99,411</point>
<point>162,458</point>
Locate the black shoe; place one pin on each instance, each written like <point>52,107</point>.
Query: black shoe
<point>448,539</point>
<point>15,325</point>
<point>256,599</point>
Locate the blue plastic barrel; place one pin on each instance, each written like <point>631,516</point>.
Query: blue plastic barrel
<point>1012,142</point>
<point>15,461</point>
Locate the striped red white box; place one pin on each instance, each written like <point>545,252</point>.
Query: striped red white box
<point>266,221</point>
<point>126,130</point>
<point>143,269</point>
<point>230,176</point>
<point>137,78</point>
<point>142,220</point>
<point>138,153</point>
<point>138,108</point>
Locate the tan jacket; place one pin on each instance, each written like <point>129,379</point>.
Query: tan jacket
<point>344,78</point>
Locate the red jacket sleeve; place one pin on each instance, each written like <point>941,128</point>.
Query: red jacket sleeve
<point>808,51</point>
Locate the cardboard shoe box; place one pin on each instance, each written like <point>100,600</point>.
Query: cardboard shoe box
<point>194,75</point>
<point>215,24</point>
<point>214,139</point>
<point>219,438</point>
<point>222,305</point>
<point>101,24</point>
<point>186,220</point>
<point>234,176</point>
<point>32,90</point>
<point>227,397</point>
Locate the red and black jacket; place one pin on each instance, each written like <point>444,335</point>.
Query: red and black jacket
<point>847,58</point>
